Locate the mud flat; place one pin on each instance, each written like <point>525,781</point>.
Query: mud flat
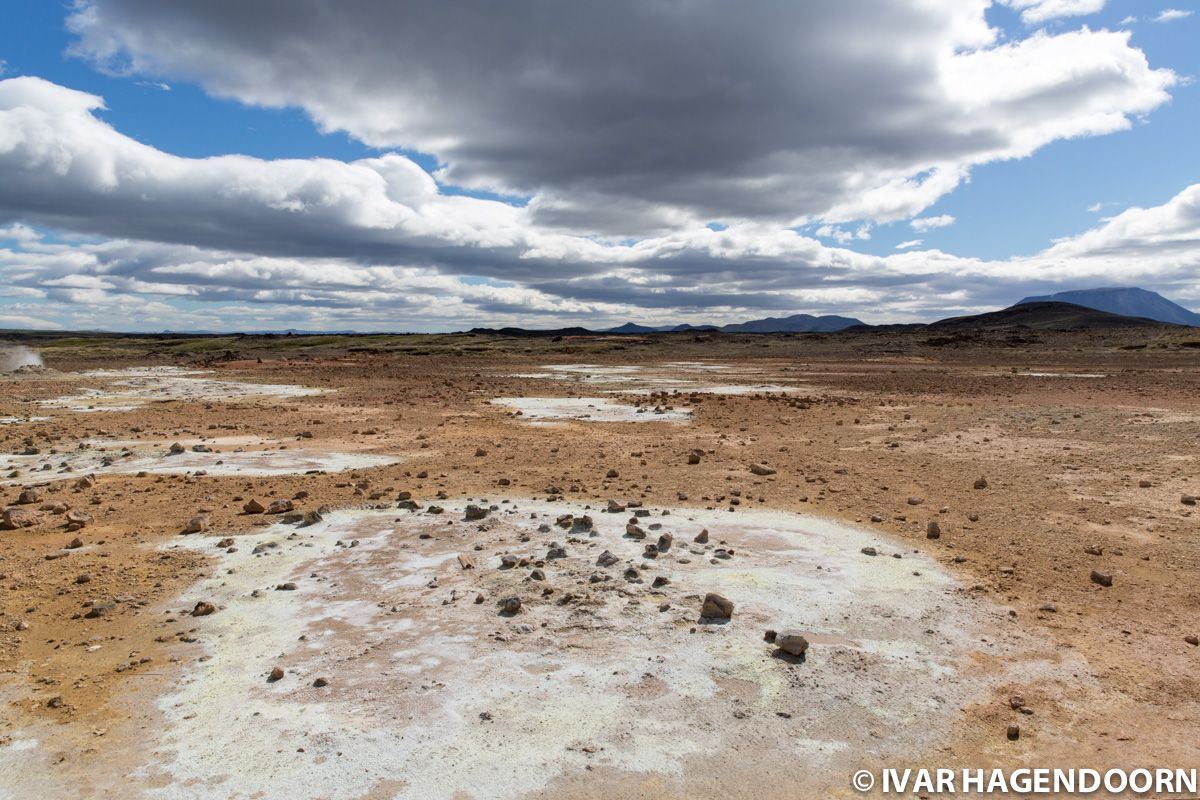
<point>602,676</point>
<point>133,388</point>
<point>155,458</point>
<point>545,410</point>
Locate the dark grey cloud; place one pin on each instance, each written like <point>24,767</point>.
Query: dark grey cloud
<point>622,116</point>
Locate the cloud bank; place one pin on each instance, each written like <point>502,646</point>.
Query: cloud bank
<point>625,127</point>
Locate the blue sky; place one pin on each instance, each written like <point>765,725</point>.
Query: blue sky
<point>586,226</point>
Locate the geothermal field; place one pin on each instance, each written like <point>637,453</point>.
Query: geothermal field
<point>469,566</point>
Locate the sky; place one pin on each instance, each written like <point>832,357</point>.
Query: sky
<point>428,166</point>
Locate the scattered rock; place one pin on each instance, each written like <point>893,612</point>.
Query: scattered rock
<point>791,642</point>
<point>13,518</point>
<point>197,524</point>
<point>280,506</point>
<point>1102,578</point>
<point>510,605</point>
<point>254,507</point>
<point>716,607</point>
<point>701,537</point>
<point>870,551</point>
<point>474,512</point>
<point>981,483</point>
<point>933,530</point>
<point>1013,732</point>
<point>275,674</point>
<point>761,469</point>
<point>203,608</point>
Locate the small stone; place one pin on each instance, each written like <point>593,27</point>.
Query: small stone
<point>1102,578</point>
<point>791,642</point>
<point>933,530</point>
<point>981,483</point>
<point>203,608</point>
<point>13,518</point>
<point>870,551</point>
<point>474,512</point>
<point>254,507</point>
<point>915,501</point>
<point>275,675</point>
<point>311,518</point>
<point>716,607</point>
<point>769,636</point>
<point>701,537</point>
<point>197,524</point>
<point>319,682</point>
<point>606,559</point>
<point>29,497</point>
<point>761,469</point>
<point>510,605</point>
<point>1013,732</point>
<point>1188,500</point>
<point>1016,702</point>
<point>612,473</point>
<point>1144,484</point>
<point>280,506</point>
<point>1194,641</point>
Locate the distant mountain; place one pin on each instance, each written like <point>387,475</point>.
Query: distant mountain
<point>1042,316</point>
<point>530,333</point>
<point>797,323</point>
<point>632,327</point>
<point>1130,302</point>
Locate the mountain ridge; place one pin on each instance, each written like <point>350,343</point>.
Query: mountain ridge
<point>1128,301</point>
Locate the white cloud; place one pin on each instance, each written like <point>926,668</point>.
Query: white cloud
<point>634,118</point>
<point>1172,14</point>
<point>922,224</point>
<point>1035,12</point>
<point>911,243</point>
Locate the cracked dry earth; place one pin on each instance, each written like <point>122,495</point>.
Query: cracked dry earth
<point>365,651</point>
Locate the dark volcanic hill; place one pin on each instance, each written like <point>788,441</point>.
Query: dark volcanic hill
<point>1043,316</point>
<point>1127,301</point>
<point>797,323</point>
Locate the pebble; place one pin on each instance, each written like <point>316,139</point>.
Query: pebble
<point>716,607</point>
<point>791,642</point>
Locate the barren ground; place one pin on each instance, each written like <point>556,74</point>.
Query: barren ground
<point>1089,443</point>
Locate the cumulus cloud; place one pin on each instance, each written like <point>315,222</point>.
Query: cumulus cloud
<point>628,131</point>
<point>923,224</point>
<point>698,275</point>
<point>1035,12</point>
<point>673,113</point>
